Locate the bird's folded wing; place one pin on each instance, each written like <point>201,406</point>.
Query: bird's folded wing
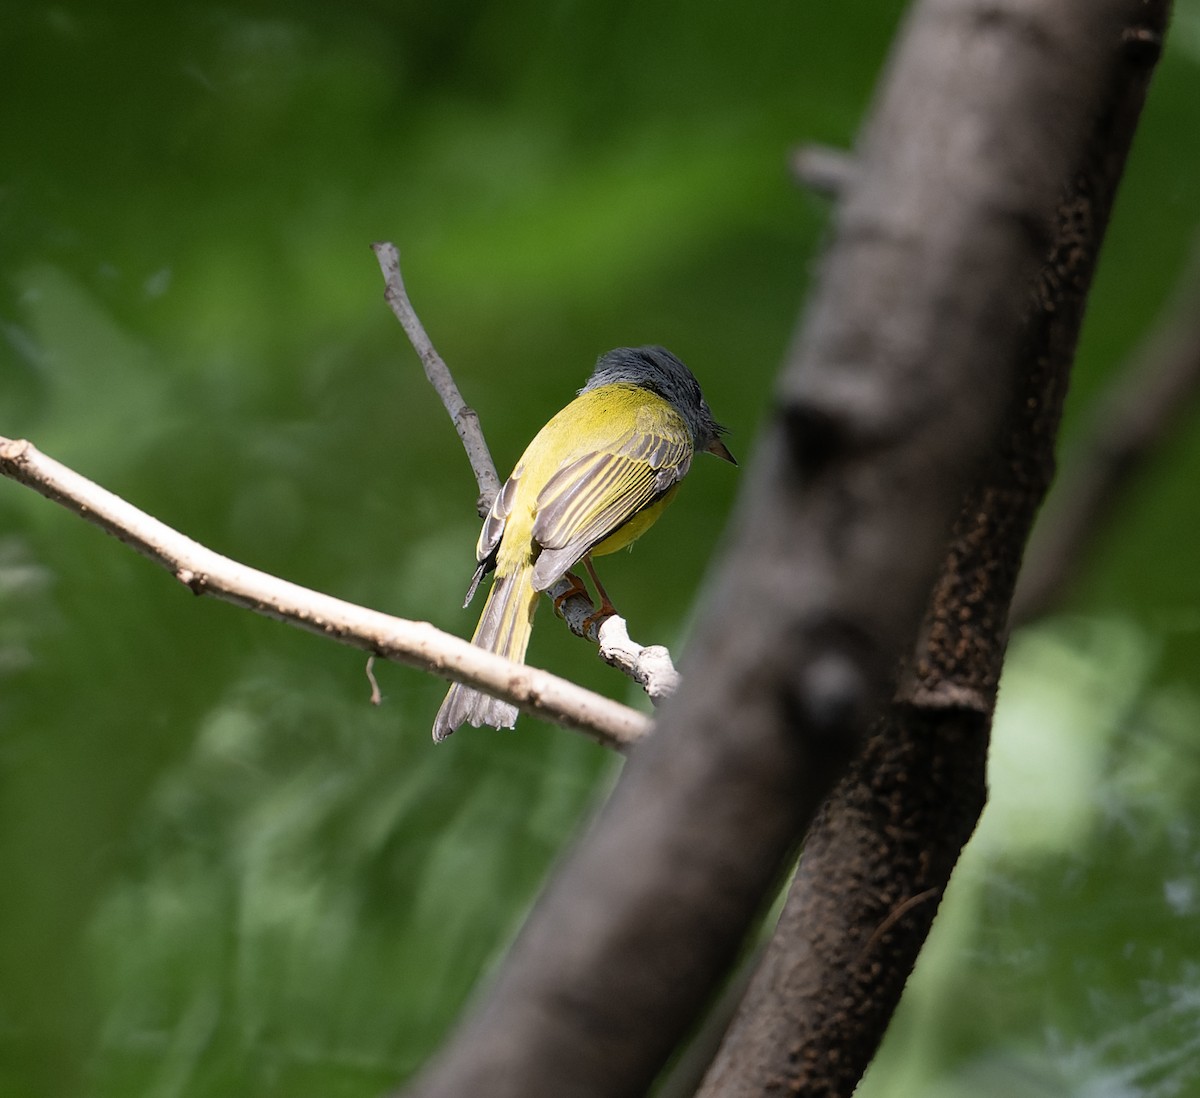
<point>593,496</point>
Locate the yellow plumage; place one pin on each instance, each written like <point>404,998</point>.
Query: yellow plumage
<point>593,480</point>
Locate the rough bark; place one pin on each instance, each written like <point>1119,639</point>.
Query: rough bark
<point>879,856</point>
<point>892,400</point>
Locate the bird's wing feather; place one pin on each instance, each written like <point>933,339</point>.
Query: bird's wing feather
<point>493,530</point>
<point>592,497</point>
<point>497,517</point>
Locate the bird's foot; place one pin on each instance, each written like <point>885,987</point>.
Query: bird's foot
<point>576,588</point>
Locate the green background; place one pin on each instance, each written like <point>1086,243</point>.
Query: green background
<point>221,870</point>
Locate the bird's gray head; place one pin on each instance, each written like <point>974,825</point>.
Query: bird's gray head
<point>656,369</point>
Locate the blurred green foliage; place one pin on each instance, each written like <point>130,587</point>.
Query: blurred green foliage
<point>221,870</point>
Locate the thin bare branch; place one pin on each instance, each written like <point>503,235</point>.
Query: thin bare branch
<point>650,666</point>
<point>1151,396</point>
<point>415,643</point>
<point>464,417</point>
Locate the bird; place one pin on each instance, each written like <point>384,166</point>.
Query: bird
<point>595,477</point>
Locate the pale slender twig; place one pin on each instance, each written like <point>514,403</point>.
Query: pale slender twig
<point>415,643</point>
<point>649,666</point>
<point>465,418</point>
<point>376,694</point>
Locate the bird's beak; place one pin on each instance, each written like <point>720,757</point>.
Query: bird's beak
<point>721,450</point>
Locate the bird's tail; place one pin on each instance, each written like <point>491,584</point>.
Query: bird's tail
<point>504,628</point>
